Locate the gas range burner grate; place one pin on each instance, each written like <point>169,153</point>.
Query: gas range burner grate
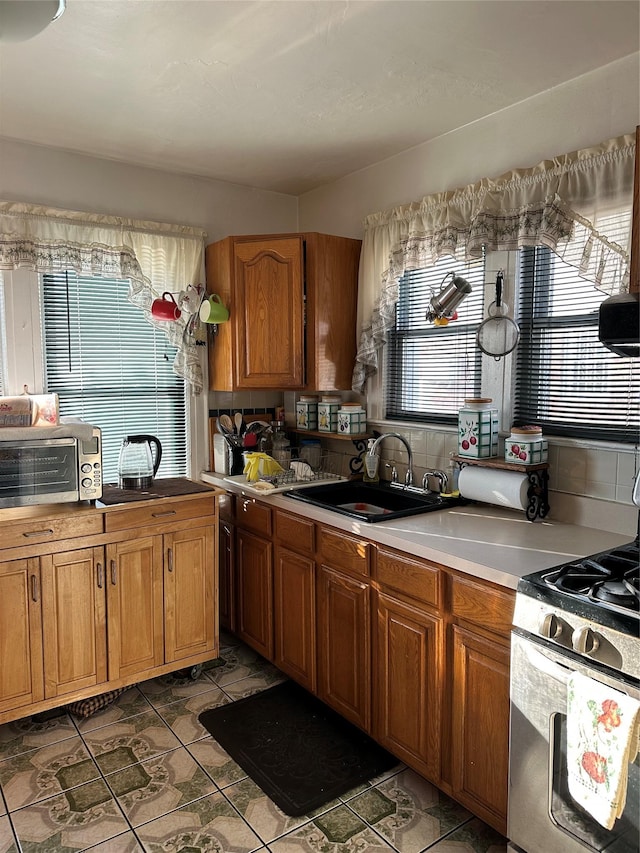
<point>610,579</point>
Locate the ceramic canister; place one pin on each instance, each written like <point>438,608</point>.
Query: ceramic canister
<point>307,413</point>
<point>526,446</point>
<point>352,420</point>
<point>478,428</point>
<point>328,414</point>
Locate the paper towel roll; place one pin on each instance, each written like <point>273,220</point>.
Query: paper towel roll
<point>503,488</point>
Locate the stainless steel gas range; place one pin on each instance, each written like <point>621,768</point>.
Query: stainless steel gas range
<point>582,617</point>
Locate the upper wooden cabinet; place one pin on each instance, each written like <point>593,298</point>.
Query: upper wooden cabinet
<point>292,302</point>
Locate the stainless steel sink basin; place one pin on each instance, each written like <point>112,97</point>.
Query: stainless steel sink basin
<point>371,502</point>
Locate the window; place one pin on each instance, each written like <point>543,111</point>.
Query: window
<point>566,380</point>
<point>112,368</point>
<point>2,337</point>
<point>431,369</point>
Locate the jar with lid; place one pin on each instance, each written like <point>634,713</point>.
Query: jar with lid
<point>328,414</point>
<point>478,428</point>
<point>310,452</point>
<point>352,419</point>
<point>280,447</point>
<point>526,446</point>
<point>307,412</point>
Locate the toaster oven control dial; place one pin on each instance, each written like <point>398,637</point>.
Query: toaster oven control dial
<point>585,641</point>
<point>85,468</point>
<point>550,626</point>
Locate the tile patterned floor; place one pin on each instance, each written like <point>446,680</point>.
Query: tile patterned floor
<point>143,776</point>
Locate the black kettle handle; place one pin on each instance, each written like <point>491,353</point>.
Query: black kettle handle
<point>153,440</point>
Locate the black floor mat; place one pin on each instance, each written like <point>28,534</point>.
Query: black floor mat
<point>300,752</point>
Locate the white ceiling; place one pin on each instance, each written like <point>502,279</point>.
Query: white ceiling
<point>287,96</point>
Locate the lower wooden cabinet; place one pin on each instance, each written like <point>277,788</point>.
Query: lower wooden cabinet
<point>407,683</point>
<point>480,725</point>
<point>254,591</point>
<point>295,616</point>
<point>226,585</point>
<point>21,670</point>
<point>344,658</point>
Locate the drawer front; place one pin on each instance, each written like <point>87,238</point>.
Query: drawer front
<point>344,552</point>
<point>158,513</point>
<point>253,516</point>
<point>482,604</point>
<point>295,532</point>
<point>419,579</point>
<point>35,532</point>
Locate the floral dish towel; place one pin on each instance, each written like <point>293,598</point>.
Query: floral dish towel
<point>603,737</point>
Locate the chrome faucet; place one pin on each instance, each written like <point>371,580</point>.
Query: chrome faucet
<point>440,476</point>
<point>408,479</point>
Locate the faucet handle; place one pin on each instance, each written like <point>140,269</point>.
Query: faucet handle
<point>394,472</point>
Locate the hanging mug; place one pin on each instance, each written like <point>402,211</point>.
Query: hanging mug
<point>213,311</point>
<point>165,308</point>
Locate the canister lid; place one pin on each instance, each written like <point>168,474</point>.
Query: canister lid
<point>308,398</point>
<point>330,399</point>
<point>526,430</point>
<point>476,400</point>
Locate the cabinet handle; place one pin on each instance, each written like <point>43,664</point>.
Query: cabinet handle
<point>35,592</point>
<point>114,573</point>
<point>170,559</point>
<point>31,533</point>
<point>100,575</point>
<point>163,514</point>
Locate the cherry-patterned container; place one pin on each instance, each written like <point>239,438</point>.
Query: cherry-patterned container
<point>526,446</point>
<point>478,428</point>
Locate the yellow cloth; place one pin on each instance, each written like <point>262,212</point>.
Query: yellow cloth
<point>260,465</point>
<point>603,737</point>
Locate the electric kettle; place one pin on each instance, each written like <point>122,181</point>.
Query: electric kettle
<point>138,463</point>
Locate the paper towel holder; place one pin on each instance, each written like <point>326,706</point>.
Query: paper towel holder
<point>537,475</point>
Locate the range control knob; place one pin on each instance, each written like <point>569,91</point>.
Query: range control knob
<point>550,626</point>
<point>585,641</point>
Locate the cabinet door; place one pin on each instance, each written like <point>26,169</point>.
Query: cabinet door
<point>135,606</point>
<point>268,312</point>
<point>74,620</point>
<point>226,593</point>
<point>344,662</point>
<point>408,684</point>
<point>254,592</point>
<point>189,589</point>
<point>295,616</point>
<point>480,725</point>
<point>21,673</point>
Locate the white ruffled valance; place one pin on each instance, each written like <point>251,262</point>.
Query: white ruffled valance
<point>155,256</point>
<point>561,204</point>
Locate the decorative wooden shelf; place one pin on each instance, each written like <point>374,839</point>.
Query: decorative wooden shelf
<point>538,476</point>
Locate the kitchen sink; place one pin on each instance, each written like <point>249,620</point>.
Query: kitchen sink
<point>372,502</point>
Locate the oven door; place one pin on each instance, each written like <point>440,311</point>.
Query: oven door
<point>543,817</point>
<point>38,471</point>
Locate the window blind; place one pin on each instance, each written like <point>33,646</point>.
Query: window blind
<point>566,380</point>
<point>112,368</point>
<point>431,369</point>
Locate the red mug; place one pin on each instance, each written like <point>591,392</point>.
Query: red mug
<point>165,308</point>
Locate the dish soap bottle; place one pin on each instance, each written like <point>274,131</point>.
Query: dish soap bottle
<point>371,462</point>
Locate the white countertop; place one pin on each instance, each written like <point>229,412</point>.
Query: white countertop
<point>496,544</point>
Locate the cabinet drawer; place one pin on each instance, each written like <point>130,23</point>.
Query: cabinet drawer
<point>419,579</point>
<point>158,513</point>
<point>295,532</point>
<point>344,552</point>
<point>253,516</point>
<point>482,604</point>
<point>51,529</point>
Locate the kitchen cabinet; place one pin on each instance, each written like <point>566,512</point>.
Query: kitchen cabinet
<point>253,577</point>
<point>344,626</point>
<point>74,620</point>
<point>295,599</point>
<point>479,698</point>
<point>408,660</point>
<point>298,289</point>
<point>21,673</point>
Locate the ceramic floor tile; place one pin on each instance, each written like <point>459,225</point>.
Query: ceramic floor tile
<point>262,815</point>
<point>125,843</point>
<point>160,785</point>
<point>253,684</point>
<point>128,704</point>
<point>474,837</point>
<point>29,733</point>
<point>336,831</point>
<point>3,808</point>
<point>359,789</point>
<point>182,717</point>
<point>130,741</point>
<point>228,640</point>
<point>7,838</point>
<point>173,687</point>
<point>41,773</point>
<point>216,762</point>
<point>409,812</point>
<point>210,825</point>
<point>235,663</point>
<point>70,822</point>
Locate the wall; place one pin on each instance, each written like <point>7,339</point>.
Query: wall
<point>590,483</point>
